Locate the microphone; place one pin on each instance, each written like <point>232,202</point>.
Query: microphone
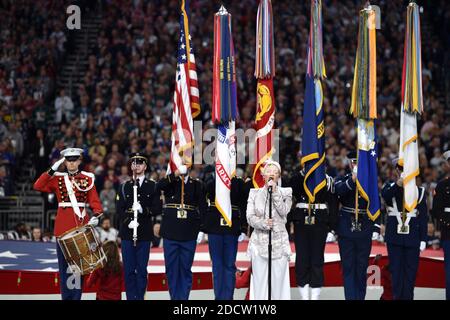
<point>270,187</point>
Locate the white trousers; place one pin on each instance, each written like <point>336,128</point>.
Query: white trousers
<point>280,286</point>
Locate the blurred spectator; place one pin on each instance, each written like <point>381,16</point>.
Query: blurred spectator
<point>433,241</point>
<point>63,107</point>
<point>36,234</point>
<point>106,232</point>
<point>124,176</point>
<point>16,139</point>
<point>40,150</point>
<point>20,232</point>
<point>48,236</point>
<point>157,240</point>
<point>5,183</point>
<point>107,197</point>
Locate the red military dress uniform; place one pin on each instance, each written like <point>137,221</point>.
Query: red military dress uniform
<point>84,190</point>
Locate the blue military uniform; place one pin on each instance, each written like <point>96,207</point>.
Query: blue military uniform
<point>185,204</point>
<point>135,258</point>
<point>441,212</point>
<point>310,234</point>
<point>354,238</point>
<point>403,248</point>
<point>222,239</point>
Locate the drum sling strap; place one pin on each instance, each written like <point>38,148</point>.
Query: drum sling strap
<point>73,199</point>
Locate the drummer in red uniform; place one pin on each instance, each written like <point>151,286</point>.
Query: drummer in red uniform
<point>75,190</point>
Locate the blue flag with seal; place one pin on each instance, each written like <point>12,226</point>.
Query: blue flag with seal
<point>367,176</point>
<point>313,139</point>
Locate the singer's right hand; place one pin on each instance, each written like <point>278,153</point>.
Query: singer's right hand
<point>272,183</point>
<point>270,223</point>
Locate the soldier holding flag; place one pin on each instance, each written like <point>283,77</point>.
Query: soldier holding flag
<point>315,212</point>
<point>184,196</point>
<point>226,193</point>
<point>406,233</point>
<point>358,221</point>
<point>356,229</point>
<point>406,226</point>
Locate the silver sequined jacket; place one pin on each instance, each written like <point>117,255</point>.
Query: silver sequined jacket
<point>257,215</point>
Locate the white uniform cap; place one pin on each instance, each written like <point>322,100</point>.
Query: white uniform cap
<point>72,152</point>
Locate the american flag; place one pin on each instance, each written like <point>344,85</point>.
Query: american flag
<point>41,256</point>
<point>186,102</point>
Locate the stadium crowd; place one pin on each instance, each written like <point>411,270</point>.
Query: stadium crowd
<point>124,103</point>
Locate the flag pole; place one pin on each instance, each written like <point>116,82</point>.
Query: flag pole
<point>270,250</point>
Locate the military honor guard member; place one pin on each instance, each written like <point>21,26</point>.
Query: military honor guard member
<point>137,202</point>
<point>406,234</point>
<point>312,222</point>
<point>185,203</point>
<point>441,212</point>
<point>222,239</point>
<point>355,232</point>
<point>258,247</point>
<point>74,190</point>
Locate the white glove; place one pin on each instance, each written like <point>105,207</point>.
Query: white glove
<point>182,170</point>
<point>56,165</point>
<point>132,224</point>
<point>242,237</point>
<point>200,237</point>
<point>355,170</point>
<point>137,207</point>
<point>375,236</point>
<point>93,221</point>
<point>330,237</point>
<point>423,245</point>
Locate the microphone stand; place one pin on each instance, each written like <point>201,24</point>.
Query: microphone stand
<point>270,248</point>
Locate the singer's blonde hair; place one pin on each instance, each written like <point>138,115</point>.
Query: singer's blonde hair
<point>271,163</point>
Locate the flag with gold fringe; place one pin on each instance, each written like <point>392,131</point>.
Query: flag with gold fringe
<point>224,111</point>
<point>412,104</point>
<point>313,139</point>
<point>364,109</point>
<point>265,106</point>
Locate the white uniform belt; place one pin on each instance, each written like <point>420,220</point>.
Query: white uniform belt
<point>68,204</point>
<point>312,205</point>
<point>446,209</point>
<point>352,210</point>
<point>394,213</point>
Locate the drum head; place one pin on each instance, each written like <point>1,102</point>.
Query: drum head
<point>73,232</point>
